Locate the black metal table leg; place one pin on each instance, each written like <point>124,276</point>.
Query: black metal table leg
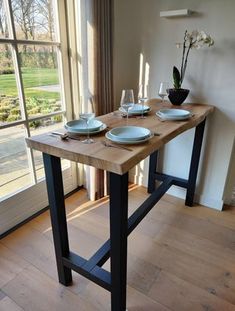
<point>197,146</point>
<point>152,171</point>
<point>190,183</point>
<point>58,217</point>
<point>118,239</point>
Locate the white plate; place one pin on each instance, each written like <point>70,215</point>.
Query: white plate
<point>80,126</point>
<point>173,114</point>
<point>129,133</point>
<point>136,110</point>
<point>139,108</point>
<point>130,142</point>
<point>173,118</point>
<point>102,128</point>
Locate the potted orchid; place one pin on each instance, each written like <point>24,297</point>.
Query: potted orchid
<point>195,39</point>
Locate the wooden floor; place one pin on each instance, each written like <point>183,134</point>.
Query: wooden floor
<point>179,258</point>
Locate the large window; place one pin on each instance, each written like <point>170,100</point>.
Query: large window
<point>32,99</point>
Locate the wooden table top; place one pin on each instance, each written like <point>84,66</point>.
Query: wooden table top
<point>117,160</point>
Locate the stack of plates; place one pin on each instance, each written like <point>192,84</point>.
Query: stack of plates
<point>173,114</point>
<point>80,127</point>
<point>129,135</point>
<point>137,109</point>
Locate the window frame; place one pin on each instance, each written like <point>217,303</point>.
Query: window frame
<point>19,205</point>
<point>64,73</point>
<point>63,70</point>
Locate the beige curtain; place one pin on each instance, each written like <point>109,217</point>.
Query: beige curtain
<point>103,79</point>
<point>96,72</point>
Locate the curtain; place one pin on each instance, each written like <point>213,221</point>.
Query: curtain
<point>103,20</point>
<point>96,86</point>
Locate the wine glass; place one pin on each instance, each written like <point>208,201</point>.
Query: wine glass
<point>127,101</point>
<point>142,100</point>
<point>87,117</point>
<point>163,90</point>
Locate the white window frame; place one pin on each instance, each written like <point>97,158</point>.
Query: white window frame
<point>18,206</point>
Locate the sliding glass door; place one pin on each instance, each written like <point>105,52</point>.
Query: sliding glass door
<point>34,98</point>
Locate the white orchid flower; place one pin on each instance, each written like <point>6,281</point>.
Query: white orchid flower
<point>196,39</point>
<point>203,35</point>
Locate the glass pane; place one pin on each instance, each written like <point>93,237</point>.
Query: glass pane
<point>14,165</point>
<point>34,19</point>
<point>41,79</point>
<point>43,126</point>
<point>9,100</point>
<point>4,32</point>
<point>40,167</point>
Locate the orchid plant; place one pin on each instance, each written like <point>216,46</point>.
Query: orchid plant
<point>196,39</point>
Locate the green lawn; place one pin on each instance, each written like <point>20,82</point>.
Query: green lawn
<point>32,77</point>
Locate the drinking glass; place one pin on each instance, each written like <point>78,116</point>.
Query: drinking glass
<point>87,117</point>
<point>142,101</point>
<point>127,101</point>
<point>163,90</point>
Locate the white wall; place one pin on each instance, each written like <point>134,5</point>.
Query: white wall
<point>210,77</point>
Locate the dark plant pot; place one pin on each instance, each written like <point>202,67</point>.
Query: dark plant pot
<point>177,96</point>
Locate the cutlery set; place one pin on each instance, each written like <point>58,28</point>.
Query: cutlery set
<point>64,136</point>
<point>67,136</point>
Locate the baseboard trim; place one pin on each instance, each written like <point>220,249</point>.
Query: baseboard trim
<point>210,202</point>
<point>181,193</point>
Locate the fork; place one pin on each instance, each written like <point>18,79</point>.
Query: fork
<point>106,144</point>
<point>64,136</point>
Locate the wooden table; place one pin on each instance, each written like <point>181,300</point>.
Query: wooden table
<point>117,162</point>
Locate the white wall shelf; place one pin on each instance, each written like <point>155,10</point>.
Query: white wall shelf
<point>176,13</point>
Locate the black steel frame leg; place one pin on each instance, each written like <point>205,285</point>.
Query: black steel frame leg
<point>152,170</point>
<point>58,217</point>
<point>197,146</point>
<point>118,239</point>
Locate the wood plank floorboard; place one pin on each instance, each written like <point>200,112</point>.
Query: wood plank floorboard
<point>6,304</point>
<point>179,259</point>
